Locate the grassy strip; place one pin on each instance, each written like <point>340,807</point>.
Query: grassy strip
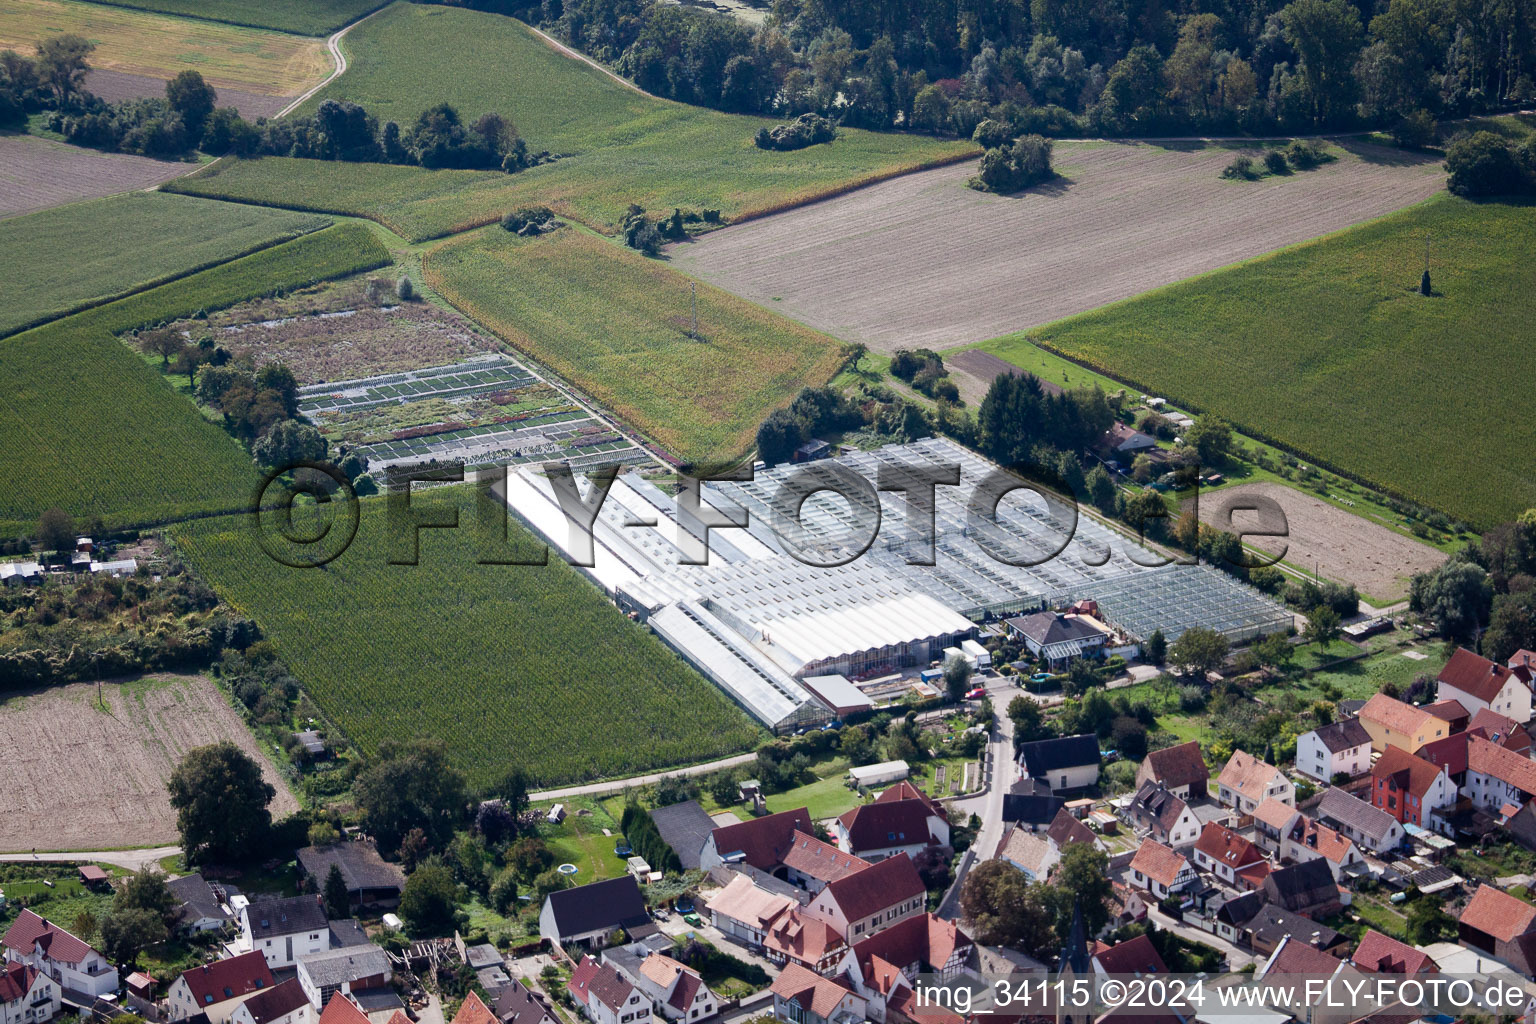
<point>617,326</point>
<point>76,257</point>
<point>526,665</point>
<point>87,426</point>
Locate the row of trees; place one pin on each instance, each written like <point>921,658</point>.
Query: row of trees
<point>1485,593</point>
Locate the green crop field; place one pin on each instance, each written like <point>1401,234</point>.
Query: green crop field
<point>303,17</point>
<point>526,665</point>
<point>619,146</point>
<point>88,426</point>
<point>1328,349</point>
<point>61,260</point>
<point>617,325</point>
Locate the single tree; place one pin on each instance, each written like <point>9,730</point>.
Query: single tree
<point>62,64</point>
<point>411,786</point>
<point>221,803</point>
<point>1198,651</point>
<point>504,891</point>
<point>338,904</point>
<point>1322,626</point>
<point>957,678</point>
<point>1156,649</point>
<point>56,531</point>
<point>146,890</point>
<point>429,899</point>
<point>128,932</point>
<point>192,98</point>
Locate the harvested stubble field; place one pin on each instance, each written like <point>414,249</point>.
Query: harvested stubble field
<point>619,146</point>
<point>335,331</point>
<point>158,46</point>
<point>925,261</point>
<point>1324,537</point>
<point>38,173</point>
<point>118,760</point>
<point>57,261</point>
<point>509,664</point>
<point>1328,349</point>
<point>88,426</point>
<point>616,325</point>
<point>303,17</point>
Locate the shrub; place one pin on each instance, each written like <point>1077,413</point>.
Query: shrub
<point>1241,167</point>
<point>1274,162</point>
<point>404,289</point>
<point>1009,169</point>
<point>1305,154</point>
<point>805,130</point>
<point>1482,164</point>
<point>1415,131</point>
<point>907,363</point>
<point>529,220</point>
<point>991,134</point>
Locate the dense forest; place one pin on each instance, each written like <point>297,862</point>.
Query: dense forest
<point>1064,66</point>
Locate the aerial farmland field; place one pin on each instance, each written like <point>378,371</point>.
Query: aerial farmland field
<point>510,664</point>
<point>1121,219</point>
<point>617,326</point>
<point>302,17</point>
<point>37,173</point>
<point>61,260</point>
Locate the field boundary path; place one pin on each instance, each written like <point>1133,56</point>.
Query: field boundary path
<point>333,44</point>
<point>560,47</point>
<point>133,860</point>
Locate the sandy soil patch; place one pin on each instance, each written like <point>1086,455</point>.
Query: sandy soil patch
<point>38,173</point>
<point>80,778</point>
<point>1340,545</point>
<point>116,86</point>
<point>922,260</point>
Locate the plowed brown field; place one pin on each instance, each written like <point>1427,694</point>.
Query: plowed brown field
<point>923,260</point>
<point>38,173</point>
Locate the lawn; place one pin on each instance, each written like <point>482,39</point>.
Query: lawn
<point>88,426</point>
<point>827,797</point>
<point>156,46</point>
<point>303,17</point>
<point>508,664</point>
<point>1327,349</point>
<point>61,260</point>
<point>616,325</point>
<point>617,146</point>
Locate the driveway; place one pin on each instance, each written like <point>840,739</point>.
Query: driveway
<point>133,860</point>
<point>997,775</point>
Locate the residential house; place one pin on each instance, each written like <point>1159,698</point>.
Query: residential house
<point>1245,782</point>
<point>1123,442</point>
<point>757,842</point>
<point>1368,827</point>
<point>514,1004</point>
<point>885,828</point>
<point>1409,788</point>
<point>1499,781</point>
<point>1133,958</point>
<point>1057,639</point>
<point>1233,914</point>
<point>215,989</point>
<point>676,992</point>
<point>1339,748</point>
<point>605,997</point>
<point>1163,816</point>
<point>1298,958</point>
<point>1453,712</point>
<point>1035,854</point>
<point>285,929</point>
<point>800,997</point>
<point>868,901</point>
<point>1230,857</point>
<point>810,863</point>
<point>351,971</point>
<point>1307,839</point>
<point>284,1003</point>
<point>1272,821</point>
<point>1479,684</point>
<point>1501,926</point>
<point>202,907</point>
<point>1271,924</point>
<point>924,944</point>
<point>1451,754</point>
<point>1031,810</point>
<point>588,914</point>
<point>1065,763</point>
<point>341,1010</point>
<point>1506,732</point>
<point>1382,954</point>
<point>371,880</point>
<point>27,995</point>
<point>1064,829</point>
<point>795,937</point>
<point>1391,723</point>
<point>1160,870</point>
<point>1307,889</point>
<point>685,827</point>
<point>78,969</point>
<point>1179,769</point>
<point>745,911</point>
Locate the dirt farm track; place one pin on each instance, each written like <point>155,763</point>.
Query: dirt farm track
<point>922,260</point>
<point>83,778</point>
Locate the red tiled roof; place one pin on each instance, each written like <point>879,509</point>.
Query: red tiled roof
<point>1394,714</point>
<point>1066,829</point>
<point>1224,846</point>
<point>802,937</point>
<point>1499,914</point>
<point>1474,675</point>
<point>1448,710</point>
<point>1178,766</point>
<point>878,886</point>
<point>1134,956</point>
<point>1489,758</point>
<point>904,790</point>
<point>1412,774</point>
<point>1255,873</point>
<point>1449,753</point>
<point>1324,840</point>
<point>341,1010</point>
<point>1506,732</point>
<point>1296,957</point>
<point>813,992</point>
<point>878,826</point>
<point>763,840</point>
<point>1158,862</point>
<point>16,980</point>
<point>592,980</point>
<point>816,859</point>
<point>924,939</point>
<point>1382,954</point>
<point>29,933</point>
<point>473,1011</point>
<point>229,978</point>
<point>1247,775</point>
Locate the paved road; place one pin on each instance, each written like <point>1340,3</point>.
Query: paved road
<point>594,788</point>
<point>130,859</point>
<point>988,805</point>
<point>1237,959</point>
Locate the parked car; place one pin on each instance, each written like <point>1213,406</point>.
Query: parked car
<point>978,692</point>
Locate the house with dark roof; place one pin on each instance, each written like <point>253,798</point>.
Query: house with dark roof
<point>351,971</point>
<point>1064,829</point>
<point>1233,913</point>
<point>216,989</point>
<point>1501,926</point>
<point>605,997</point>
<point>202,907</point>
<point>1179,769</point>
<point>1479,684</point>
<point>285,929</point>
<point>1382,954</point>
<point>885,828</point>
<point>1339,748</point>
<point>1271,924</point>
<point>1370,828</point>
<point>27,995</point>
<point>676,992</point>
<point>1058,639</point>
<point>865,902</point>
<point>1162,816</point>
<point>805,998</point>
<point>1306,889</point>
<point>588,914</point>
<point>1031,810</point>
<point>757,842</point>
<point>685,827</point>
<point>514,1004</point>
<point>1410,788</point>
<point>1065,763</point>
<point>1123,441</point>
<point>371,880</point>
<point>73,963</point>
<point>283,1003</point>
